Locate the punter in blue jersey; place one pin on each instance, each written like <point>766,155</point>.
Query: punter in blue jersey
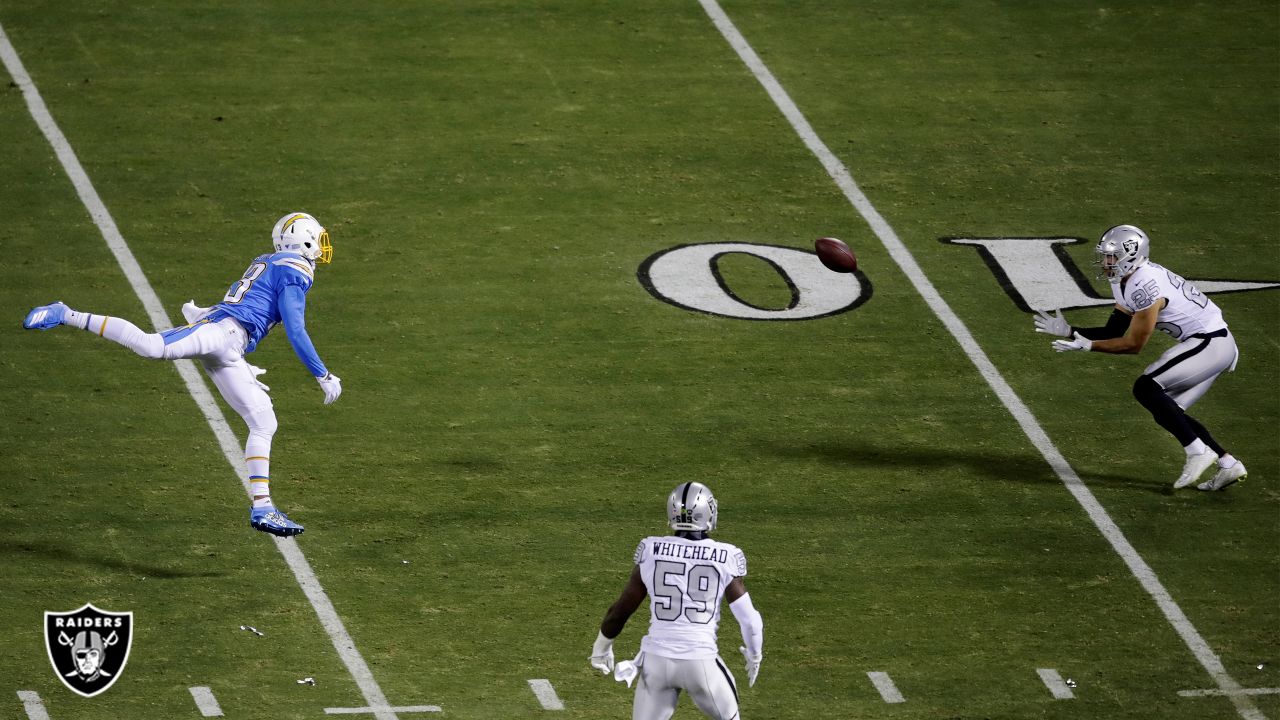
<point>273,290</point>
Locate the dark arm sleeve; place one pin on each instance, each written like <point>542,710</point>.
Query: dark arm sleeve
<point>1116,326</point>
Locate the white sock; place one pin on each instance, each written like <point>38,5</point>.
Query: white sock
<point>1227,461</point>
<point>76,319</point>
<point>1196,447</point>
<point>258,489</point>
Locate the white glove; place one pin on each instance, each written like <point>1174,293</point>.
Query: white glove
<point>332,387</point>
<point>1046,323</point>
<point>256,372</point>
<point>753,666</point>
<point>193,312</point>
<point>1079,342</point>
<point>602,654</point>
<point>626,672</point>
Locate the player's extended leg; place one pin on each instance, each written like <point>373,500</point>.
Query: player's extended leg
<point>656,696</point>
<point>200,339</point>
<point>711,687</point>
<point>47,317</point>
<point>238,386</point>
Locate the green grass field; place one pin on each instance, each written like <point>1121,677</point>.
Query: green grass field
<point>517,403</point>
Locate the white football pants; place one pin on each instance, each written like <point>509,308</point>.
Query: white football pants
<point>1187,370</point>
<point>709,683</point>
<point>219,346</point>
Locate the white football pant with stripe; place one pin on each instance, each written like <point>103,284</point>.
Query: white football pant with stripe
<point>219,346</point>
<point>708,681</point>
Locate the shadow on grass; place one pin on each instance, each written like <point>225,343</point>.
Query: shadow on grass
<point>47,551</point>
<point>989,464</point>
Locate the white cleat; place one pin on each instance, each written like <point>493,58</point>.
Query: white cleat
<point>1224,477</point>
<point>1195,467</point>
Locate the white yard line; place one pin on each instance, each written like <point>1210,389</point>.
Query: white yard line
<point>1053,681</point>
<point>205,701</point>
<point>903,257</point>
<point>366,711</point>
<point>546,694</point>
<point>884,684</point>
<point>34,706</point>
<point>1219,693</point>
<point>195,384</point>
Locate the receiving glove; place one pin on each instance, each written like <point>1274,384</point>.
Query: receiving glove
<point>1052,325</point>
<point>626,672</point>
<point>602,654</point>
<point>193,312</point>
<point>256,372</point>
<point>753,666</point>
<point>1079,342</point>
<point>332,386</point>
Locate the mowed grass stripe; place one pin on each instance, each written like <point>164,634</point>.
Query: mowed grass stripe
<point>293,556</point>
<point>1021,413</point>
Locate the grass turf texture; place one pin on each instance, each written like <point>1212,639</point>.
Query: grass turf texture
<point>516,405</point>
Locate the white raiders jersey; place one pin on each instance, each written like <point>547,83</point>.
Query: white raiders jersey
<point>1188,312</point>
<point>686,580</point>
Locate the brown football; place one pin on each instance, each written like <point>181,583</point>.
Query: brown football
<point>835,255</point>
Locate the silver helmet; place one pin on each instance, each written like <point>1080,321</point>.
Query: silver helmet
<point>1122,249</point>
<point>691,507</point>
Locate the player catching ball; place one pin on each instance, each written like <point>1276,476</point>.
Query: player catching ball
<point>273,290</point>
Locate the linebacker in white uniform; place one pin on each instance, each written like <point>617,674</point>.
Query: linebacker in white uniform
<point>1149,298</point>
<point>685,576</point>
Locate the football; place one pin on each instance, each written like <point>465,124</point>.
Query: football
<point>835,255</point>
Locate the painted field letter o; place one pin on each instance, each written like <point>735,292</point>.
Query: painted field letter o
<point>688,277</point>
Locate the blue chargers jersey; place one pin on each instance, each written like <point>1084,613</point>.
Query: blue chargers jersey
<point>257,301</point>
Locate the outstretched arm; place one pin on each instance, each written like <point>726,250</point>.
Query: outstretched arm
<point>293,304</point>
<point>1116,327</point>
<point>1141,327</point>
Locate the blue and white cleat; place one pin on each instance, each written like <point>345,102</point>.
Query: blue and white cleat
<point>45,317</point>
<point>271,520</point>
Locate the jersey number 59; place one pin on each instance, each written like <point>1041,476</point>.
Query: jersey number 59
<point>701,587</point>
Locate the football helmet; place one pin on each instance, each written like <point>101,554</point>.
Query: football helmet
<point>692,508</point>
<point>1122,249</point>
<point>300,233</point>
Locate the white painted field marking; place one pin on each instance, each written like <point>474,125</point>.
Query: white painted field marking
<point>546,694</point>
<point>32,703</point>
<point>907,262</point>
<point>366,710</point>
<point>1220,693</point>
<point>885,685</point>
<point>205,701</point>
<point>195,383</point>
<point>1053,681</point>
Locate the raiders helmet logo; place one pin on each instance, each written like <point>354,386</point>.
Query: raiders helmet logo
<point>88,647</point>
